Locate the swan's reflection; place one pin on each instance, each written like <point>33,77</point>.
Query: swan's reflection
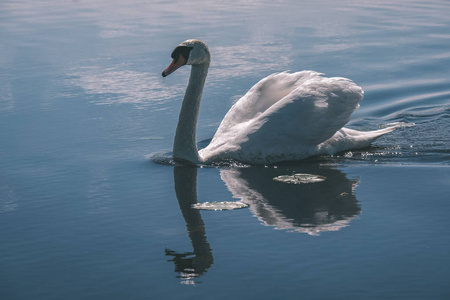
<point>190,264</point>
<point>309,208</point>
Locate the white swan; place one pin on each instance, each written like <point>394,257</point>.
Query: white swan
<point>283,117</point>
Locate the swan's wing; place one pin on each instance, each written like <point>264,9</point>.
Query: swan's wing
<point>263,95</point>
<point>310,114</point>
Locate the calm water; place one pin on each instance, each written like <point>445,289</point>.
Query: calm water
<point>85,214</point>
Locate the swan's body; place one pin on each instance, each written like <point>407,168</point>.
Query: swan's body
<point>285,116</point>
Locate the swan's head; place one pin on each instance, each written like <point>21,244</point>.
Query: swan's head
<point>190,52</point>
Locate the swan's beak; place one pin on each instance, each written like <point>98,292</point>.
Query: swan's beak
<point>175,64</point>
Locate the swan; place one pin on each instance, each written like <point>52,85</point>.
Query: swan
<point>284,117</point>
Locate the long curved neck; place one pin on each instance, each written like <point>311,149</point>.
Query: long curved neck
<point>184,146</point>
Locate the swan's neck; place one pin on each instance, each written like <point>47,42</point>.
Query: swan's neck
<point>184,146</point>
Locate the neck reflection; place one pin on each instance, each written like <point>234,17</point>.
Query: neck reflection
<point>190,265</point>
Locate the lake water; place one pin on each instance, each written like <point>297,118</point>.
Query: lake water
<point>86,214</point>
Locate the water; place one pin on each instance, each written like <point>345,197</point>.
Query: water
<point>85,214</point>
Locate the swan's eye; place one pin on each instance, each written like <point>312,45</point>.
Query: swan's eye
<point>181,50</point>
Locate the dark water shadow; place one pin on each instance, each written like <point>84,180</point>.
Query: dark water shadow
<point>309,208</point>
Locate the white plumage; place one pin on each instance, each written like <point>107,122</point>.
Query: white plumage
<point>285,116</point>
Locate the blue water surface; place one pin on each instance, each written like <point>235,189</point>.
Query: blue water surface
<point>87,212</point>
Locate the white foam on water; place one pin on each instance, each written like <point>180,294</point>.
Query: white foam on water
<point>300,178</point>
<point>398,124</point>
<point>224,205</point>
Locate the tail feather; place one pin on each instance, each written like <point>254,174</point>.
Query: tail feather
<point>348,139</point>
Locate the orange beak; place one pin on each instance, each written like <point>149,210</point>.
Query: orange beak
<point>175,64</point>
